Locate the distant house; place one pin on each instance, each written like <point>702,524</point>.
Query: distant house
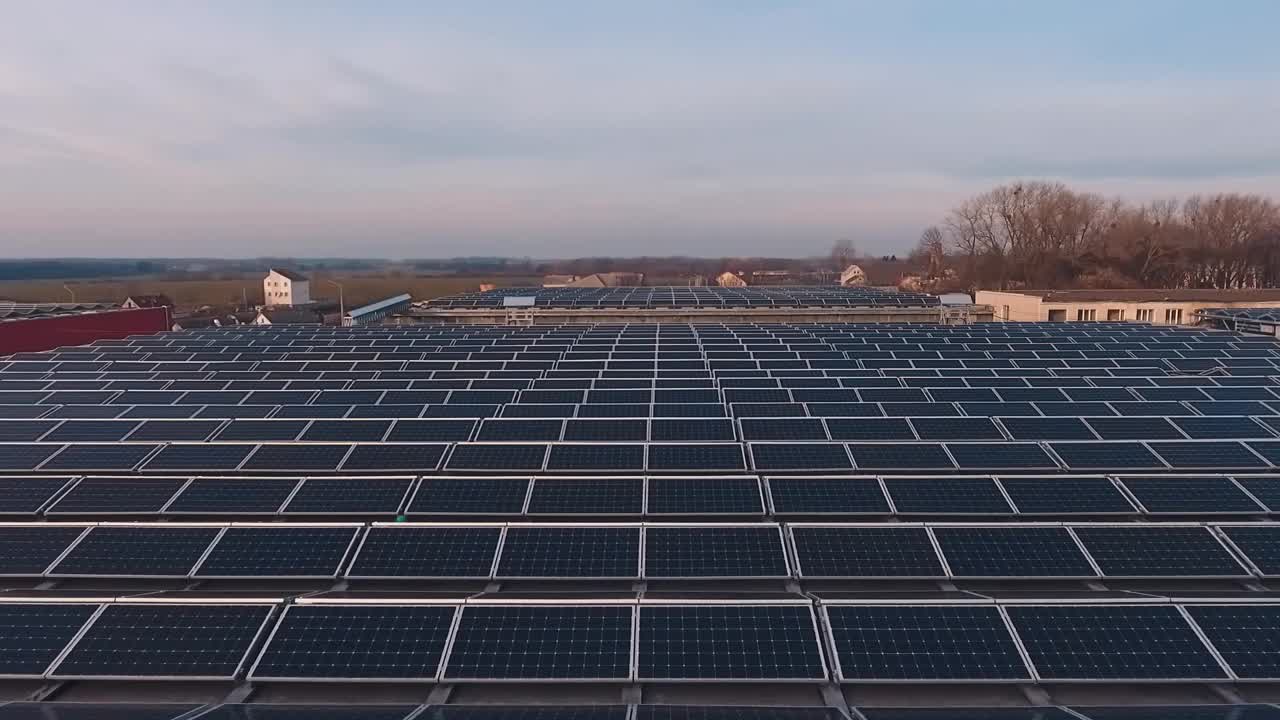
<point>555,281</point>
<point>147,301</point>
<point>286,288</point>
<point>728,279</point>
<point>853,276</point>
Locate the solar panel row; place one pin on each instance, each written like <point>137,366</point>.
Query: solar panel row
<point>563,551</point>
<point>679,641</point>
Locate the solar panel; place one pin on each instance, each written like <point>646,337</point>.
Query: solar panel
<point>1047,428</point>
<point>947,496</point>
<point>93,711</point>
<point>1157,551</point>
<point>808,456</point>
<point>597,457</point>
<point>363,642</point>
<point>704,551</point>
<point>91,431</point>
<point>406,551</point>
<point>1260,544</point>
<point>28,495</point>
<point>171,430</point>
<point>884,642</point>
<point>1180,712</point>
<point>117,496</point>
<point>791,429</point>
<point>431,431</point>
<point>1066,496</point>
<point>470,496</point>
<point>900,456</point>
<point>1106,455</point>
<point>541,642</point>
<point>278,552</point>
<point>593,496</point>
<point>202,457</point>
<point>606,430</point>
<point>261,430</point>
<point>232,496</point>
<point>721,642</point>
<point>168,641</point>
<point>710,496</point>
<point>1134,428</point>
<point>1244,635</point>
<point>25,457</point>
<point>349,496</point>
<point>954,428</point>
<point>1184,494</point>
<point>690,429</point>
<point>1112,643</point>
<point>407,457</point>
<point>865,551</point>
<point>827,496</point>
<point>1221,427</point>
<point>504,430</point>
<point>28,430</point>
<point>33,635</point>
<point>1001,456</point>
<point>1206,454</point>
<point>264,711</point>
<point>1268,450</point>
<point>496,457</point>
<point>90,457</point>
<point>30,549</point>
<point>136,551</point>
<point>297,458</point>
<point>721,457</point>
<point>968,713</point>
<point>562,552</point>
<point>1012,552</point>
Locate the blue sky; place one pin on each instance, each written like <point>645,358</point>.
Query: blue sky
<point>553,129</point>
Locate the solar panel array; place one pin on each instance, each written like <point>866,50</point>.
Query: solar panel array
<point>689,297</point>
<point>811,504</point>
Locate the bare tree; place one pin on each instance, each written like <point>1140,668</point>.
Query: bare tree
<point>843,253</point>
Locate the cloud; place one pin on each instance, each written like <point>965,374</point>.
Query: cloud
<point>420,130</point>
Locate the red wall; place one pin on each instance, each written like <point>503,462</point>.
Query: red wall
<point>46,333</point>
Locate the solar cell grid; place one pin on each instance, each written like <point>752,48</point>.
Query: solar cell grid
<point>384,643</point>
<point>722,457</point>
<point>404,551</point>
<point>278,552</point>
<point>819,496</point>
<point>136,551</point>
<point>199,456</point>
<point>1112,643</point>
<point>33,635</point>
<point>923,643</point>
<point>232,496</point>
<point>597,457</point>
<point>865,551</point>
<point>714,552</point>
<point>566,552</point>
<point>1190,494</point>
<point>541,643</point>
<point>397,457</point>
<point>28,495</point>
<point>348,496</point>
<point>587,496</point>
<point>1065,495</point>
<point>699,496</point>
<point>891,457</point>
<point>296,458</point>
<point>1157,551</point>
<point>496,457</point>
<point>159,640</point>
<point>1012,552</point>
<point>725,642</point>
<point>27,550</point>
<point>470,496</point>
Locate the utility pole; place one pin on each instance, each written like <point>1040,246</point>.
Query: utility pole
<point>342,306</point>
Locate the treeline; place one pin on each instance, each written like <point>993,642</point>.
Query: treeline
<point>1046,235</point>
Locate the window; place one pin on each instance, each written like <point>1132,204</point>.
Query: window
<point>1006,313</point>
<point>1115,315</point>
<point>1173,316</point>
<point>1057,316</point>
<point>1147,315</point>
<point>1086,315</point>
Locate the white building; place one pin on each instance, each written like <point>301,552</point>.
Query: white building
<point>1159,307</point>
<point>285,287</point>
<point>852,276</point>
<point>728,279</point>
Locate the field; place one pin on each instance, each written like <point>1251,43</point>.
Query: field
<point>188,294</point>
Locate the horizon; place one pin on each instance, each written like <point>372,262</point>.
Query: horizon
<point>573,129</point>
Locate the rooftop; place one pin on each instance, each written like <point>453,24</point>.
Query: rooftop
<point>1156,295</point>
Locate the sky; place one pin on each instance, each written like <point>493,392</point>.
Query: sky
<point>558,128</point>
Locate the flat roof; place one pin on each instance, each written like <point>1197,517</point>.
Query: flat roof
<point>1153,295</point>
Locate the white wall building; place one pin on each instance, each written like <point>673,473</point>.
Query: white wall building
<point>853,276</point>
<point>285,287</point>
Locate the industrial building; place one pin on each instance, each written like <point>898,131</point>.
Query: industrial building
<point>1161,307</point>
